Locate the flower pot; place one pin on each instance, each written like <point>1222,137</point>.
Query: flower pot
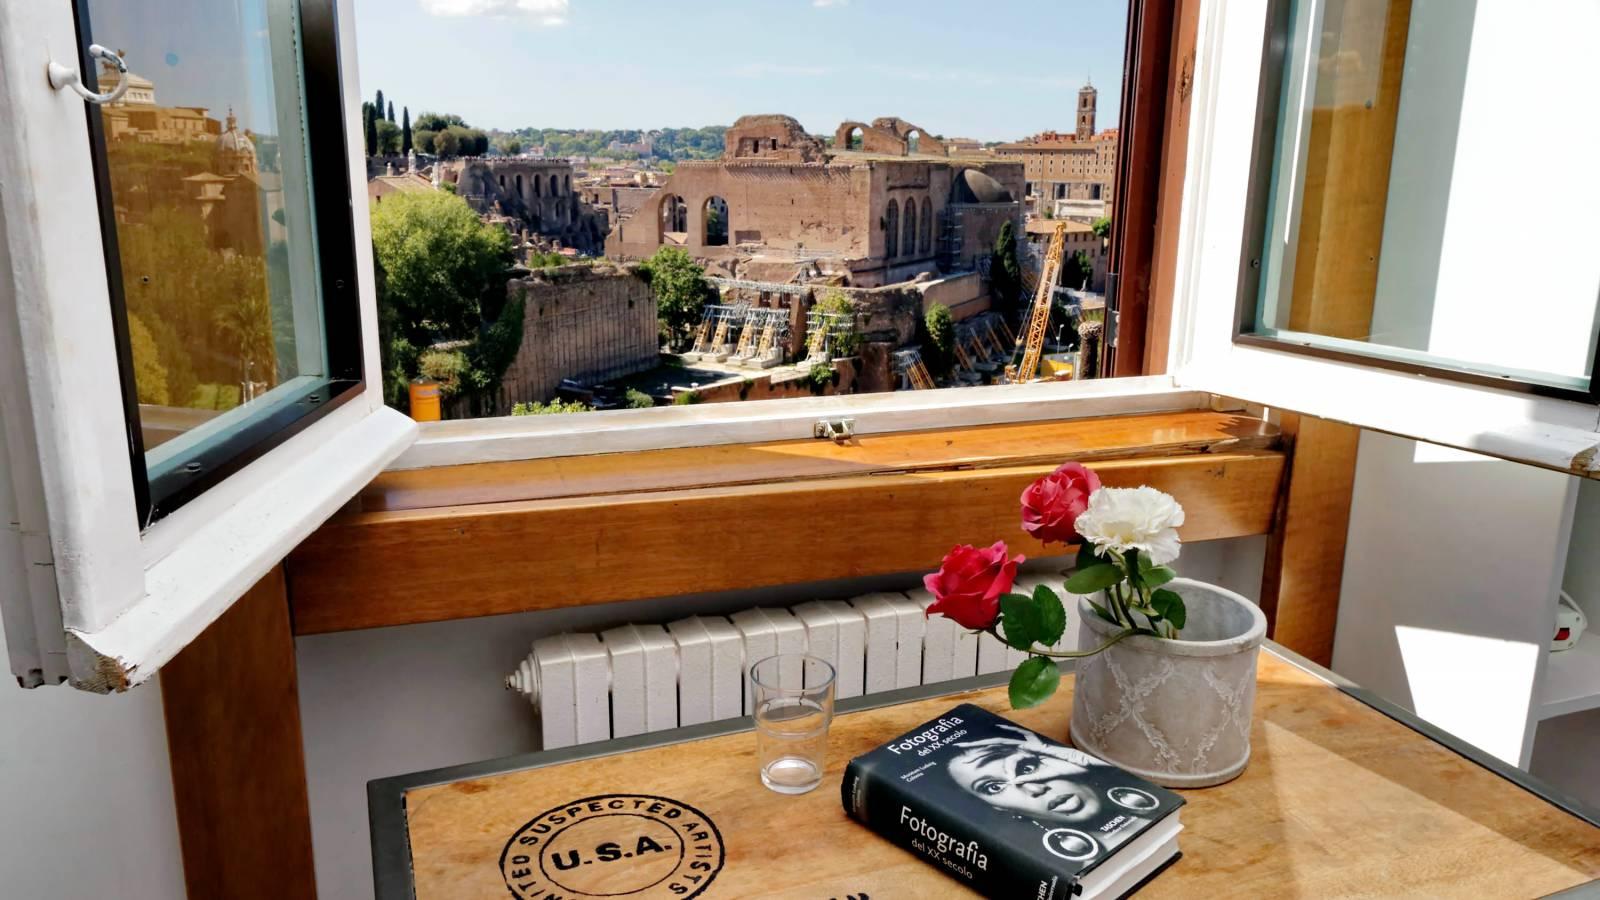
<point>1175,712</point>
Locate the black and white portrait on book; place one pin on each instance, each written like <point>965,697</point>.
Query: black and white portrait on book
<point>1065,792</point>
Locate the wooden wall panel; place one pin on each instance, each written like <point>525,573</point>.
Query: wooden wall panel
<point>238,765</point>
<point>1304,568</point>
<point>388,568</point>
<point>1169,194</point>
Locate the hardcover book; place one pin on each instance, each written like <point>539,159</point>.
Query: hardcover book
<point>1013,814</point>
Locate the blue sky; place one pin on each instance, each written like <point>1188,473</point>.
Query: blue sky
<point>990,71</point>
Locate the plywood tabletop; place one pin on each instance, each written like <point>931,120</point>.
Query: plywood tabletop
<point>1338,801</point>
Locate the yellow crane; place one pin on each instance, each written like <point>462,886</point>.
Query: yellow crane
<point>1030,340</point>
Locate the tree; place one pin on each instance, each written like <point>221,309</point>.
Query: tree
<point>446,143</point>
<point>1005,272</point>
<point>424,140</point>
<point>388,137</point>
<point>438,121</point>
<point>149,375</point>
<point>1077,271</point>
<point>1102,228</point>
<point>637,399</point>
<point>442,278</point>
<point>682,292</point>
<point>379,105</point>
<point>939,345</point>
<point>848,341</point>
<point>247,324</point>
<point>405,131</point>
<point>391,112</point>
<point>372,132</point>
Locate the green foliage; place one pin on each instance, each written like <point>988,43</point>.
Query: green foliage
<point>447,143</point>
<point>1102,227</point>
<point>149,375</point>
<point>388,136</point>
<point>1005,272</point>
<point>1077,270</point>
<point>636,399</point>
<point>442,278</point>
<point>1033,682</point>
<point>508,146</point>
<point>449,187</point>
<point>371,117</point>
<point>839,303</point>
<point>1029,620</point>
<point>447,367</point>
<point>390,115</point>
<point>939,341</point>
<point>438,121</point>
<point>822,375</point>
<point>379,104</point>
<point>1093,578</point>
<point>686,398</point>
<point>220,397</point>
<point>405,130</point>
<point>423,140</point>
<point>681,290</point>
<point>547,260</point>
<point>553,408</point>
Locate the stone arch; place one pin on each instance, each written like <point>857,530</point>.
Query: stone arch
<point>913,139</point>
<point>908,242</point>
<point>850,136</point>
<point>673,216</point>
<point>555,186</point>
<point>891,228</point>
<point>566,183</point>
<point>535,179</point>
<point>520,195</point>
<point>927,225</point>
<point>715,215</point>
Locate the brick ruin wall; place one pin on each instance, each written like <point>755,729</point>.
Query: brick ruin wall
<point>590,323</point>
<point>537,193</point>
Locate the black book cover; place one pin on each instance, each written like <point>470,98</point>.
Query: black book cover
<point>1007,811</point>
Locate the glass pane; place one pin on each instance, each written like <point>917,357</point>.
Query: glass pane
<point>210,184</point>
<point>817,217</point>
<point>1434,199</point>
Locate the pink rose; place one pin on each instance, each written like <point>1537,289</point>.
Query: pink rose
<point>969,583</point>
<point>1051,505</point>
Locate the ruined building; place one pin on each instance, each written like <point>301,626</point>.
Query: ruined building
<point>536,194</point>
<point>886,203</point>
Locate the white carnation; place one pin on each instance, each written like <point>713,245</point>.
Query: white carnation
<point>1141,518</point>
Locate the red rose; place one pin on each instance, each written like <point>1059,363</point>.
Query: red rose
<point>1051,505</point>
<point>969,583</point>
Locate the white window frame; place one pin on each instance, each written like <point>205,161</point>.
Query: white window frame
<point>90,596</point>
<point>1544,431</point>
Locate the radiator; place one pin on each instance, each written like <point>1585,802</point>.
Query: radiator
<point>635,679</point>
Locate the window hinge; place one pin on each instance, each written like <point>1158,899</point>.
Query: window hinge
<point>840,431</point>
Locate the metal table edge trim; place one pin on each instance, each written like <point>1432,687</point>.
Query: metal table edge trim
<point>386,812</point>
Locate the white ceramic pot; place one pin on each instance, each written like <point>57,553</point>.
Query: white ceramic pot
<point>1175,712</point>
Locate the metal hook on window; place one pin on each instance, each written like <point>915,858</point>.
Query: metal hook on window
<point>69,77</point>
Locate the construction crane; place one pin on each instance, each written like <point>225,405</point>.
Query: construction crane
<point>1030,339</point>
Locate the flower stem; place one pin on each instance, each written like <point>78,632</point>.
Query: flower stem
<point>1079,654</point>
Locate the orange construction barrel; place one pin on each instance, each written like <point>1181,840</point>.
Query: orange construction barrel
<point>425,400</point>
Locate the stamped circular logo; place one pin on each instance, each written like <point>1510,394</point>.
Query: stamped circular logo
<point>615,845</point>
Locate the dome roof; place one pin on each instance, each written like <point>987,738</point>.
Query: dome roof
<point>975,186</point>
<point>235,152</point>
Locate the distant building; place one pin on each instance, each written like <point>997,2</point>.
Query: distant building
<point>135,115</point>
<point>1078,168</point>
<point>536,193</point>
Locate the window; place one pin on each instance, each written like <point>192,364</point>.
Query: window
<point>1379,189</point>
<point>234,290</point>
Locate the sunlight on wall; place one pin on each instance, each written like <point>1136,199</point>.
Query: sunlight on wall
<point>1485,703</point>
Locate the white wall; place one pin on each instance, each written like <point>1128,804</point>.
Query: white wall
<point>86,796</point>
<point>1450,578</point>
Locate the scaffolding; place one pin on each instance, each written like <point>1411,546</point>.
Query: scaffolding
<point>720,326</point>
<point>911,372</point>
<point>825,332</point>
<point>1030,341</point>
<point>765,338</point>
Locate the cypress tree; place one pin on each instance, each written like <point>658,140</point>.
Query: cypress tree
<point>405,131</point>
<point>391,111</point>
<point>372,132</point>
<point>379,104</point>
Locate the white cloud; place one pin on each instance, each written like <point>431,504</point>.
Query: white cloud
<point>544,12</point>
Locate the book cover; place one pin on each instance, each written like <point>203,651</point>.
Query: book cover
<point>1009,812</point>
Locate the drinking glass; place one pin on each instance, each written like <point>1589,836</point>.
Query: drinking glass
<point>793,707</point>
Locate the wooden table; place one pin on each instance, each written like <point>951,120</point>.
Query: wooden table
<point>1345,796</point>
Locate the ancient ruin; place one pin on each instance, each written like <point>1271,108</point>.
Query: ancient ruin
<point>536,196</point>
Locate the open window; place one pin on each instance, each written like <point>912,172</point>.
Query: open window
<point>1347,168</point>
<point>187,319</point>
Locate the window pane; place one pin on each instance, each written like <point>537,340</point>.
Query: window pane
<point>1433,198</point>
<point>211,189</point>
<point>858,221</point>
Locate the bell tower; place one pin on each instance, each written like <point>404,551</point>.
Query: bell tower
<point>1086,102</point>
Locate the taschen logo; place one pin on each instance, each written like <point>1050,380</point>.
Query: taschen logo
<point>615,845</point>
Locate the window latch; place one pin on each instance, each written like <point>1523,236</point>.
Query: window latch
<point>840,431</point>
<point>63,76</point>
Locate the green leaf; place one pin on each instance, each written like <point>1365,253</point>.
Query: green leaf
<point>1095,578</point>
<point>1153,575</point>
<point>1049,614</point>
<point>1033,682</point>
<point>1019,620</point>
<point>1170,606</point>
<point>1104,613</point>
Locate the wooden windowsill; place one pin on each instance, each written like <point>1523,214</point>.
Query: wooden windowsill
<point>492,538</point>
